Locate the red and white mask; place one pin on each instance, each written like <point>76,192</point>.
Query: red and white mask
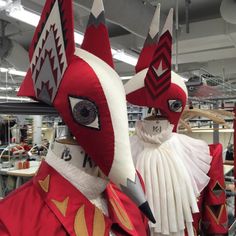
<point>85,89</point>
<point>154,84</point>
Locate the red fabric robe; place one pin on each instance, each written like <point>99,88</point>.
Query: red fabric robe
<point>213,218</point>
<point>49,205</point>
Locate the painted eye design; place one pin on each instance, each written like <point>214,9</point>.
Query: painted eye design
<point>85,112</point>
<point>175,105</point>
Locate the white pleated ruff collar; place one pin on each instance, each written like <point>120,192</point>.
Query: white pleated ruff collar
<point>174,168</point>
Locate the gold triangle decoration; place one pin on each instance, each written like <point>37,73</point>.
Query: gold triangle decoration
<point>61,206</point>
<point>80,226</point>
<point>216,212</point>
<point>45,183</point>
<point>217,189</point>
<point>121,214</point>
<point>98,223</point>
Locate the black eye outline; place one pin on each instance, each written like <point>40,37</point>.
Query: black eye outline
<point>88,122</point>
<point>175,105</point>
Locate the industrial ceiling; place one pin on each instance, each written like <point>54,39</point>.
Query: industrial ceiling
<point>206,43</point>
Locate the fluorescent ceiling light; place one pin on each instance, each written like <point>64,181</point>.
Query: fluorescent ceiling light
<point>125,57</point>
<point>126,77</point>
<point>23,73</point>
<point>13,71</point>
<point>31,18</point>
<point>23,15</point>
<point>16,72</point>
<point>6,88</point>
<point>78,38</point>
<point>3,70</point>
<point>184,78</point>
<point>3,3</point>
<point>15,98</point>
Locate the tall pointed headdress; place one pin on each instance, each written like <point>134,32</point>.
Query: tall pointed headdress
<point>154,84</point>
<point>83,87</point>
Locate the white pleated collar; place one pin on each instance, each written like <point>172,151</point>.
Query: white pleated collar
<point>90,186</point>
<point>153,138</point>
<point>174,168</point>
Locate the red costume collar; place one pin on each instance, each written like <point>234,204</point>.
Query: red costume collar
<point>77,214</point>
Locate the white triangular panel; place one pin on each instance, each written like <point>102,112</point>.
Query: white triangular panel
<point>53,24</point>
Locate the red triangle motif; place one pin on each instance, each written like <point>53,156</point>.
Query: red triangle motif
<point>27,87</point>
<point>62,66</point>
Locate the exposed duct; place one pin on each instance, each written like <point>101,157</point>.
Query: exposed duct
<point>17,56</point>
<point>27,108</point>
<point>127,14</point>
<point>12,51</point>
<point>187,4</point>
<point>228,11</point>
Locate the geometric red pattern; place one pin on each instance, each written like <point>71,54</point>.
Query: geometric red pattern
<point>156,83</point>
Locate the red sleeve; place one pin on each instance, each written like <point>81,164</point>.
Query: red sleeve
<point>3,230</point>
<point>214,213</point>
<point>138,220</point>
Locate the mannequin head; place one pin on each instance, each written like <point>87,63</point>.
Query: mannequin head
<point>65,147</point>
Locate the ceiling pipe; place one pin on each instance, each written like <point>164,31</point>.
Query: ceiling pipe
<point>176,35</point>
<point>11,51</point>
<point>187,5</point>
<point>117,12</point>
<point>27,108</point>
<point>17,56</point>
<point>3,27</point>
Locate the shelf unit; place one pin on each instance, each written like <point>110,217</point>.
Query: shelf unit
<point>135,113</point>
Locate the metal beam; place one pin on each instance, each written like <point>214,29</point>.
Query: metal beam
<point>27,108</point>
<point>206,55</point>
<point>132,15</point>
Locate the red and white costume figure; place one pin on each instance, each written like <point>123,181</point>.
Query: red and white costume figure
<point>67,197</point>
<point>83,87</point>
<point>174,167</point>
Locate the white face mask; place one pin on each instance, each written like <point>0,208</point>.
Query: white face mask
<point>75,155</point>
<point>66,148</point>
<point>154,127</point>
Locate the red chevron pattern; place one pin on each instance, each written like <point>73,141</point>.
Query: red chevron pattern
<point>158,78</point>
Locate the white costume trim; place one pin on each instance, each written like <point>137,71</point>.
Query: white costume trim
<point>90,186</point>
<point>174,168</point>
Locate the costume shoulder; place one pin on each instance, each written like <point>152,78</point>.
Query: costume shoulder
<point>214,215</point>
<point>137,219</point>
<point>14,206</point>
<point>22,210</point>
